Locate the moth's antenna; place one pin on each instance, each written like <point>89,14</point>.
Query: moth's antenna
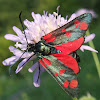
<point>22,26</point>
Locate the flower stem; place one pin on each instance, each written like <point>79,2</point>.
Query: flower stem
<point>94,55</point>
<point>75,99</point>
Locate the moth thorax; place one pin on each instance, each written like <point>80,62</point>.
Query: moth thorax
<point>42,48</point>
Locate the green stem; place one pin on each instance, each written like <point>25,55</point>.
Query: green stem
<point>75,99</point>
<point>94,55</point>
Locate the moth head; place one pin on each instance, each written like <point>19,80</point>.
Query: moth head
<point>31,47</point>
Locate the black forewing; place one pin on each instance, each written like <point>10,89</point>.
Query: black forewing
<point>73,27</point>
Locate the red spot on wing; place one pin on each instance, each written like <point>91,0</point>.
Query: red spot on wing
<point>51,39</point>
<point>68,34</point>
<point>83,25</point>
<point>42,63</point>
<point>46,61</point>
<point>61,71</point>
<point>64,30</point>
<point>73,83</point>
<point>68,60</point>
<point>56,74</point>
<point>47,36</point>
<point>66,83</point>
<point>70,46</point>
<point>76,23</point>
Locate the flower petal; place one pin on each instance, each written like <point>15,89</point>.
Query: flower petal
<point>36,78</point>
<point>20,34</point>
<point>18,52</point>
<point>18,31</point>
<point>83,10</point>
<point>42,68</point>
<point>12,37</point>
<point>10,61</point>
<point>85,47</point>
<point>36,17</point>
<point>21,46</point>
<point>15,51</point>
<point>37,84</point>
<point>27,23</point>
<point>89,38</point>
<point>31,69</point>
<point>72,17</point>
<point>21,65</point>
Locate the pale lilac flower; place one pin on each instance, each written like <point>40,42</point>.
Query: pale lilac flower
<point>41,25</point>
<point>82,11</point>
<point>87,39</point>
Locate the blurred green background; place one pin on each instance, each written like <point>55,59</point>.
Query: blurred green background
<point>19,87</point>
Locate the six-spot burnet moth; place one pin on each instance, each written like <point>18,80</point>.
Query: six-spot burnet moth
<point>56,52</point>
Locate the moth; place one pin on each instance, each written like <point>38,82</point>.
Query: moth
<point>56,52</point>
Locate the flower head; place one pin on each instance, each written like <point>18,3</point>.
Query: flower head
<point>41,25</point>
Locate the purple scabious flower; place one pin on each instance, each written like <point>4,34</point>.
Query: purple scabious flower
<point>41,25</point>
